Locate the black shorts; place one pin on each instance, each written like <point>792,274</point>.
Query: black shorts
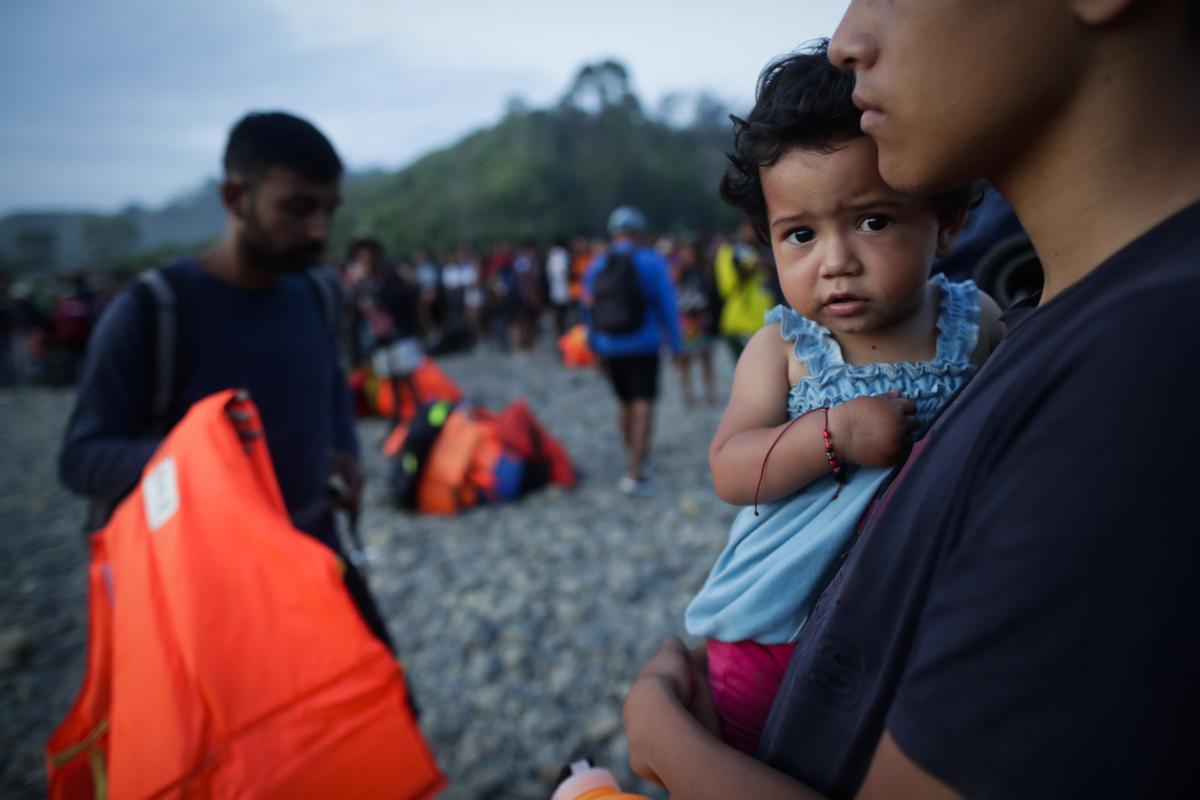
<point>633,377</point>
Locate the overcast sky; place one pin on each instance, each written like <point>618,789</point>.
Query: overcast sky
<point>108,102</point>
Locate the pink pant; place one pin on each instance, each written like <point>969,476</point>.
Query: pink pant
<point>744,678</point>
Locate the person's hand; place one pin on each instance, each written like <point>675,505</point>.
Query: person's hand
<point>701,705</point>
<point>347,480</point>
<point>873,431</point>
<point>245,422</point>
<point>672,677</point>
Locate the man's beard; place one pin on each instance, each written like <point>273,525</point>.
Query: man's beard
<point>293,259</point>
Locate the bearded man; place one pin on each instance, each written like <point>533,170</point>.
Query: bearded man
<point>253,311</point>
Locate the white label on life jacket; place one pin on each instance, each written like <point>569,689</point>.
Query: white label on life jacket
<point>160,490</point>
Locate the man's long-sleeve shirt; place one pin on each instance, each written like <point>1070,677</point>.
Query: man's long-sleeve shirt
<point>274,342</point>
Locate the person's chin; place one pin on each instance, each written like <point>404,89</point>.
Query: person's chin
<point>897,170</point>
<point>844,325</point>
<point>295,263</point>
<point>919,172</point>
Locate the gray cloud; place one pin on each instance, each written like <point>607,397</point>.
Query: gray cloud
<point>118,101</point>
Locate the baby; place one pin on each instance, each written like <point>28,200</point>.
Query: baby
<point>837,385</point>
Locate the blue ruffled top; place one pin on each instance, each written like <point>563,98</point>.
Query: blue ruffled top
<point>831,380</point>
<point>776,564</point>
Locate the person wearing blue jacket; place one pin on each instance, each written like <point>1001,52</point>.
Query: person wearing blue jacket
<point>630,359</point>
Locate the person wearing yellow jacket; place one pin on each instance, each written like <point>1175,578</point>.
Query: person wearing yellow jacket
<point>745,295</point>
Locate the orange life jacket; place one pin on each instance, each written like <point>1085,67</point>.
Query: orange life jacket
<point>457,465</point>
<point>431,382</point>
<point>579,267</point>
<point>459,469</point>
<point>573,345</point>
<point>225,657</point>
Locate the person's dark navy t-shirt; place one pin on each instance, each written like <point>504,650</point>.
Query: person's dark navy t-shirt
<point>274,342</point>
<point>1021,612</point>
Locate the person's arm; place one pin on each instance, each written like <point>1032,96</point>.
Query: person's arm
<point>670,745</point>
<point>587,282</point>
<point>345,444</point>
<point>345,436</point>
<point>872,431</point>
<point>105,447</point>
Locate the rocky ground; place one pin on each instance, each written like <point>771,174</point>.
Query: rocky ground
<point>521,625</point>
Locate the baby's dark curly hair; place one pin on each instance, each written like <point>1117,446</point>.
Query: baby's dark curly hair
<point>804,101</point>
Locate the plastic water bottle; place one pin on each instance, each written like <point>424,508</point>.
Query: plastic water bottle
<point>582,781</point>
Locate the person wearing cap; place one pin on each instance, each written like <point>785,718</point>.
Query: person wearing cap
<point>630,359</point>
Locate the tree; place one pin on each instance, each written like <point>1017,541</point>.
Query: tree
<point>600,86</point>
<point>110,239</point>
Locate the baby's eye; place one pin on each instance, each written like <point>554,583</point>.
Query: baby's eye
<point>800,236</point>
<point>874,223</point>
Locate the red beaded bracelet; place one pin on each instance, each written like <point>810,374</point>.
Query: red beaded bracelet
<point>839,474</point>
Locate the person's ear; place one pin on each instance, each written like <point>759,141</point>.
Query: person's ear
<point>235,196</point>
<point>950,223</point>
<point>1095,13</point>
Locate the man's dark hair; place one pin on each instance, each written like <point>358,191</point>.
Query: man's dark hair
<point>262,140</point>
<point>369,243</point>
<point>803,101</point>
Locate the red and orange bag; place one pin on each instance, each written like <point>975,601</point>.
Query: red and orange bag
<point>225,657</point>
<point>374,396</point>
<point>451,458</point>
<point>573,346</point>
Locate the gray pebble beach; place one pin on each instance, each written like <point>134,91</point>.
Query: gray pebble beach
<point>521,626</point>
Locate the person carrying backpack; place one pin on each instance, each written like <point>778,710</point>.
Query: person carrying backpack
<point>251,312</point>
<point>630,311</point>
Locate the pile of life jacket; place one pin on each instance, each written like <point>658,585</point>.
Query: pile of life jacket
<point>573,345</point>
<point>450,457</point>
<point>373,395</point>
<point>225,656</point>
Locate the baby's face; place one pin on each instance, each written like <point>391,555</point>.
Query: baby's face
<point>852,253</point>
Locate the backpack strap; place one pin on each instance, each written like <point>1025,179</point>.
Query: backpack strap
<point>165,336</point>
<point>155,300</point>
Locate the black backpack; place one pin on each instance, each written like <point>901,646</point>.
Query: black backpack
<point>408,465</point>
<point>618,306</point>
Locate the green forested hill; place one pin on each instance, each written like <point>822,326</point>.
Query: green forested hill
<point>541,174</point>
<point>536,175</point>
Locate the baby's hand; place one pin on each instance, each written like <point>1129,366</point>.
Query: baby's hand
<point>873,431</point>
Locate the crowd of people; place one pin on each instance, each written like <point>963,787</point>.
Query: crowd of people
<point>397,307</point>
<point>509,299</point>
<point>45,325</point>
